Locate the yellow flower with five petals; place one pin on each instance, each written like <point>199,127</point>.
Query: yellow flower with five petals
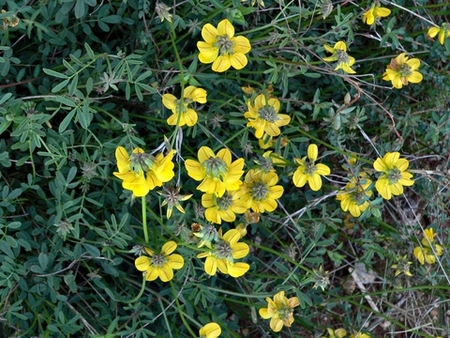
<point>160,265</point>
<point>222,48</point>
<point>308,171</point>
<point>394,175</point>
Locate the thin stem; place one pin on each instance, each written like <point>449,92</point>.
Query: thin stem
<point>180,311</point>
<point>144,219</point>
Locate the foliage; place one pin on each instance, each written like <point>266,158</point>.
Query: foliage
<point>80,79</point>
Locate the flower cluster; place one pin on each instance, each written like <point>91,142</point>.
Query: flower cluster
<point>142,172</point>
<point>222,252</point>
<point>429,250</point>
<point>280,311</point>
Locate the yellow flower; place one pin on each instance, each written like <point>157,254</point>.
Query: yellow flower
<point>217,173</point>
<point>442,32</point>
<point>143,172</point>
<point>310,172</point>
<point>338,333</point>
<point>394,177</point>
<point>402,70</point>
<point>374,13</point>
<point>280,310</point>
<point>210,330</point>
<point>223,208</point>
<point>160,265</point>
<point>181,113</point>
<point>360,335</point>
<point>260,191</point>
<point>354,198</point>
<point>339,51</point>
<point>263,116</point>
<point>222,48</point>
<point>402,266</point>
<point>224,252</point>
<point>429,250</point>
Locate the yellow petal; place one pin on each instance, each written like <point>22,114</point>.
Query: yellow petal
<point>168,248</point>
<point>165,273</point>
<point>340,45</point>
<point>241,45</point>
<point>225,28</point>
<point>415,77</point>
<point>238,61</point>
<point>276,324</point>
<point>209,33</point>
<point>210,266</point>
<point>313,152</point>
<point>264,313</point>
<point>123,159</point>
<point>315,182</point>
<point>176,261</point>
<point>433,31</point>
<point>240,250</point>
<point>238,269</point>
<point>142,263</point>
<point>222,63</point>
<point>210,330</point>
<point>169,101</point>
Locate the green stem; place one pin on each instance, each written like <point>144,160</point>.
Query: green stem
<point>180,311</point>
<point>135,299</point>
<point>144,219</point>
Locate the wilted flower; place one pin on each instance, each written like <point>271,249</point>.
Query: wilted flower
<point>280,310</point>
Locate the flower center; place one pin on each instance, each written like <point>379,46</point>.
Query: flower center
<point>182,105</point>
<point>404,70</point>
<point>268,113</point>
<point>224,44</point>
<point>310,168</point>
<point>159,260</point>
<point>259,191</point>
<point>141,162</point>
<point>223,250</point>
<point>359,196</point>
<point>224,202</point>
<point>285,313</point>
<point>394,175</point>
<point>342,56</point>
<point>215,167</point>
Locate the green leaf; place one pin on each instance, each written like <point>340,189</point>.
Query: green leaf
<point>54,74</point>
<point>60,86</point>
